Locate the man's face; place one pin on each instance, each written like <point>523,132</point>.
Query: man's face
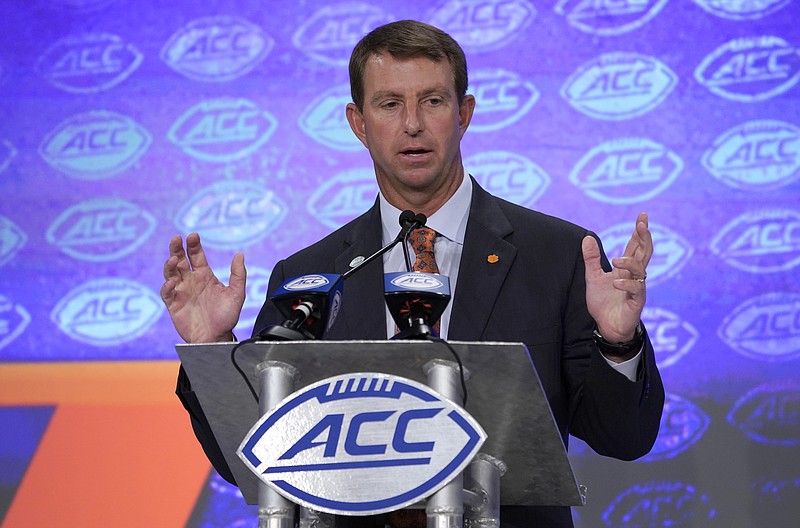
<point>412,125</point>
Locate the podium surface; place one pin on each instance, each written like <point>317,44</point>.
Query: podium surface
<point>504,396</point>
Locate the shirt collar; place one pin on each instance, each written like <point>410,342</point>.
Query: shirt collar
<point>450,221</point>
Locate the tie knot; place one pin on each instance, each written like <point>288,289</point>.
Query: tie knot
<point>422,242</point>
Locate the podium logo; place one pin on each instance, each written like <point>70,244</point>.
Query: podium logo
<point>750,69</point>
<point>738,10</point>
<point>216,49</point>
<point>671,336</point>
<point>257,290</point>
<point>222,130</point>
<point>682,425</point>
<point>766,327</point>
<point>95,145</point>
<point>7,154</point>
<point>619,85</point>
<point>659,503</point>
<point>232,215</point>
<point>626,170</point>
<point>89,63</point>
<point>344,197</point>
<point>672,251</point>
<point>331,33</point>
<point>101,230</point>
<point>12,239</point>
<point>107,312</point>
<point>14,318</point>
<point>483,25</point>
<point>608,17</point>
<point>398,435</point>
<point>417,281</point>
<point>768,413</point>
<point>508,175</point>
<point>502,98</point>
<point>758,155</point>
<point>761,241</point>
<point>324,120</point>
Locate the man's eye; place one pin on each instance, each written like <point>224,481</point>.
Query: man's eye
<point>434,101</point>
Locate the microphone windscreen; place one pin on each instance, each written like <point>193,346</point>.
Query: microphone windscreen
<point>406,217</point>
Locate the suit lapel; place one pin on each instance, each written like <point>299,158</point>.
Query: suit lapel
<point>485,262</point>
<point>362,313</point>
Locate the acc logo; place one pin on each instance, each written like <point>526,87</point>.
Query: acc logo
<point>324,120</point>
<point>738,10</point>
<point>618,86</point>
<point>7,154</point>
<point>608,17</point>
<point>509,176</point>
<point>483,25</point>
<point>330,34</point>
<point>761,241</point>
<point>89,63</point>
<point>671,336</point>
<point>232,215</point>
<point>626,170</point>
<point>658,503</point>
<point>222,130</point>
<point>257,291</point>
<point>758,155</point>
<point>306,282</point>
<point>768,413</point>
<point>12,239</point>
<point>772,493</point>
<point>417,281</point>
<point>766,327</point>
<point>95,145</point>
<point>342,198</point>
<point>106,312</point>
<point>13,320</point>
<point>750,69</point>
<point>216,49</point>
<point>399,435</point>
<point>503,98</point>
<point>672,251</point>
<point>682,424</point>
<point>101,230</point>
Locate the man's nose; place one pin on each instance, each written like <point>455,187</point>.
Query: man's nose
<point>412,121</point>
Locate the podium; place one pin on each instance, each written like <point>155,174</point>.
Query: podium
<point>504,396</point>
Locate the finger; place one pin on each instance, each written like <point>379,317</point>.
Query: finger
<point>630,264</point>
<point>635,288</point>
<point>646,238</point>
<point>238,280</point>
<point>591,256</point>
<point>194,249</point>
<point>168,291</point>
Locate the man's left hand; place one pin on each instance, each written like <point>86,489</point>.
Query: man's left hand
<point>616,299</point>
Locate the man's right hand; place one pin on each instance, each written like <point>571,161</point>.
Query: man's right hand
<point>202,308</point>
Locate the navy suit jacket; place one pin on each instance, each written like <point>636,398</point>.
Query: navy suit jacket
<point>534,293</point>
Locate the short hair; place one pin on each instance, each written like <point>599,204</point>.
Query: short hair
<point>406,39</point>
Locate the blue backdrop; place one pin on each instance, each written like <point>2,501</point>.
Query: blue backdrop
<point>123,123</point>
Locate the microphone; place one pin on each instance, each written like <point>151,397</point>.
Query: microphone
<point>416,300</point>
<point>309,305</point>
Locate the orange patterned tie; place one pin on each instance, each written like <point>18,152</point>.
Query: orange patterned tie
<point>422,242</point>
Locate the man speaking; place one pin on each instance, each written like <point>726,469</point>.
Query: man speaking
<point>516,275</point>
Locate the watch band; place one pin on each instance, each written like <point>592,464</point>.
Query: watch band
<point>622,348</point>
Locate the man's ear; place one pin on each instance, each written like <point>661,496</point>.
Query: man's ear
<point>465,112</point>
<point>357,124</point>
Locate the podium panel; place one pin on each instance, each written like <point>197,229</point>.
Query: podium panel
<point>504,396</point>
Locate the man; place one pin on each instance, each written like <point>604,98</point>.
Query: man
<point>547,284</point>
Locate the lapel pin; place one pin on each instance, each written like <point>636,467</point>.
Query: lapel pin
<point>357,261</point>
<point>492,259</point>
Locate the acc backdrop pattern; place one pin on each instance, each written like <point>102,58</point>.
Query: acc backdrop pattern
<point>123,123</point>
